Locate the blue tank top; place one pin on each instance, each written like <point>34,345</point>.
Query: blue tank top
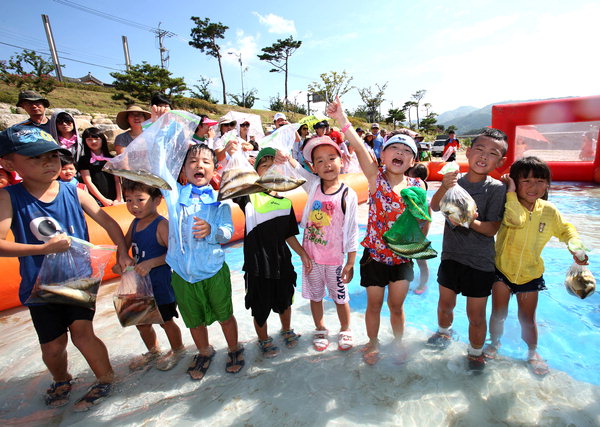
<point>144,245</point>
<point>35,222</point>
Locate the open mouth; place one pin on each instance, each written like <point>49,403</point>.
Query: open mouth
<point>198,175</point>
<point>397,162</point>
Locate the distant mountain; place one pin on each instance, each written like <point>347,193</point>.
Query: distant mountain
<point>451,115</point>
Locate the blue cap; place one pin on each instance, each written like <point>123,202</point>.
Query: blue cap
<point>401,139</point>
<point>28,141</point>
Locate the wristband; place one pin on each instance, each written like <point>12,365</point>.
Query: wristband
<point>345,128</point>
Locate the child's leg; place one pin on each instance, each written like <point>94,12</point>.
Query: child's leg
<point>445,310</point>
<point>500,300</point>
<point>230,331</point>
<point>396,295</point>
<point>477,323</point>
<point>200,337</point>
<point>54,355</point>
<point>173,335</point>
<point>261,331</point>
<point>316,308</point>
<point>286,319</point>
<point>343,312</point>
<point>149,337</point>
<point>424,273</point>
<point>527,306</point>
<point>93,349</point>
<point>375,296</point>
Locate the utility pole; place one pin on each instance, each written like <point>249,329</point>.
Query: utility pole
<point>164,52</point>
<point>52,47</point>
<point>239,57</point>
<point>126,52</point>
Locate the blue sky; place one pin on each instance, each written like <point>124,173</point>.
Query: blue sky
<point>462,52</point>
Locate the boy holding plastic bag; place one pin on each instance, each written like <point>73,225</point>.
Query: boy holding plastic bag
<point>42,213</point>
<point>467,264</point>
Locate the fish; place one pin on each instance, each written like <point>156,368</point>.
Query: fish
<point>277,182</point>
<point>580,282</point>
<point>238,182</point>
<point>136,310</point>
<point>141,175</point>
<point>81,284</point>
<point>459,210</point>
<point>70,295</point>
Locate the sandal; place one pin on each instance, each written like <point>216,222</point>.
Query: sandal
<point>58,393</point>
<point>491,351</point>
<point>345,341</point>
<point>269,350</point>
<point>537,365</point>
<point>320,341</point>
<point>235,361</point>
<point>290,338</point>
<point>169,360</point>
<point>95,395</point>
<point>200,365</point>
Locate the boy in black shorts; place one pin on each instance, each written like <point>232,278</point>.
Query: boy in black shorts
<point>467,265</point>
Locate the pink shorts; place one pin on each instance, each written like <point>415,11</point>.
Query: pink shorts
<point>321,277</point>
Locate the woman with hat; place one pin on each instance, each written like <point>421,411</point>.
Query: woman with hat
<point>247,140</point>
<point>130,120</point>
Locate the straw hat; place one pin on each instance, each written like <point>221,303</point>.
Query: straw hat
<point>122,116</point>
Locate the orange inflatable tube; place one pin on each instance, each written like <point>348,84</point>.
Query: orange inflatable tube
<point>9,266</point>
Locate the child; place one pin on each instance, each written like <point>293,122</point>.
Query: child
<point>529,222</point>
<point>268,271</point>
<point>198,226</point>
<point>105,188</point>
<point>35,156</point>
<point>68,172</point>
<point>379,266</point>
<point>419,170</point>
<point>64,131</point>
<point>467,264</point>
<point>148,236</point>
<point>330,230</point>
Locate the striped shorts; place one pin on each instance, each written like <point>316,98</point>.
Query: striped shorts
<point>321,277</point>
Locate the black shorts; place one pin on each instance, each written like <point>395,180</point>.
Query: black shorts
<point>534,285</point>
<point>264,295</point>
<point>168,311</point>
<point>465,280</point>
<point>53,320</point>
<point>375,273</point>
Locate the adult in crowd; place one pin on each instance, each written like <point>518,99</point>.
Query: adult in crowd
<point>304,134</point>
<point>246,137</point>
<point>452,143</point>
<point>35,106</point>
<point>333,134</point>
<point>205,132</point>
<point>279,119</point>
<point>360,132</point>
<point>320,128</point>
<point>64,131</point>
<point>130,120</point>
<point>377,140</point>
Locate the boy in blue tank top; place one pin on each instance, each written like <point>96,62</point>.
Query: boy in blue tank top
<point>148,236</point>
<point>42,213</point>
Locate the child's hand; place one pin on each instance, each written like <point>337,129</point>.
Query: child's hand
<point>336,111</point>
<point>306,262</point>
<point>123,260</point>
<point>511,187</point>
<point>143,268</point>
<point>117,269</point>
<point>158,111</point>
<point>211,133</point>
<point>578,261</point>
<point>347,273</point>
<point>59,243</point>
<point>449,180</point>
<point>201,228</point>
<point>280,157</point>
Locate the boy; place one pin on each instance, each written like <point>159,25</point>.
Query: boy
<point>330,231</point>
<point>35,156</point>
<point>148,236</point>
<point>198,226</point>
<point>270,278</point>
<point>467,264</point>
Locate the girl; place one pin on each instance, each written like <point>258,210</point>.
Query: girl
<point>64,131</point>
<point>105,188</point>
<point>379,266</point>
<point>529,222</point>
<point>130,120</point>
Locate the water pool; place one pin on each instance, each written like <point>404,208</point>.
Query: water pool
<point>568,326</point>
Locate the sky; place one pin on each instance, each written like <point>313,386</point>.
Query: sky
<point>461,52</point>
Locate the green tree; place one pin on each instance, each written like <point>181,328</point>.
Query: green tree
<point>142,80</point>
<point>246,100</point>
<point>202,91</point>
<point>332,84</point>
<point>278,55</point>
<point>28,70</point>
<point>205,37</point>
<point>429,123</point>
<point>372,98</point>
<point>395,115</point>
<point>418,96</point>
<point>406,108</point>
<point>451,128</point>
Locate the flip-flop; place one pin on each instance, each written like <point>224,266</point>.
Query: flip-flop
<point>491,351</point>
<point>200,365</point>
<point>345,341</point>
<point>58,393</point>
<point>320,340</point>
<point>95,395</point>
<point>234,360</point>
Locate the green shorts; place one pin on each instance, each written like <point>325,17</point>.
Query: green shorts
<point>204,302</point>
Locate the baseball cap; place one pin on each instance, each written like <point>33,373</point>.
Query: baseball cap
<point>31,95</point>
<point>278,116</point>
<point>28,141</point>
<point>359,130</point>
<point>375,125</point>
<point>209,122</point>
<point>267,151</point>
<point>314,143</point>
<point>321,124</point>
<point>401,139</point>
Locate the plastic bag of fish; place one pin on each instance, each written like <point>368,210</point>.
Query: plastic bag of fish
<point>457,205</point>
<point>156,155</point>
<point>580,281</point>
<point>238,178</point>
<point>281,177</point>
<point>134,300</point>
<point>72,277</point>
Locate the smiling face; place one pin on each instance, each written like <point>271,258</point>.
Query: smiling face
<point>67,172</point>
<point>326,162</point>
<point>199,167</point>
<point>485,155</point>
<point>397,158</point>
<point>140,204</point>
<point>135,119</point>
<point>529,189</point>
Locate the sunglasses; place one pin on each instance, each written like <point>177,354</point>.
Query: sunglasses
<point>68,122</point>
<point>245,125</point>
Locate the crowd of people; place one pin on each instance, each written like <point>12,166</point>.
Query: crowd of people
<point>186,262</point>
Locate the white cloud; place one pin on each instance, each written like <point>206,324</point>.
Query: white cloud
<point>276,24</point>
<point>245,44</point>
